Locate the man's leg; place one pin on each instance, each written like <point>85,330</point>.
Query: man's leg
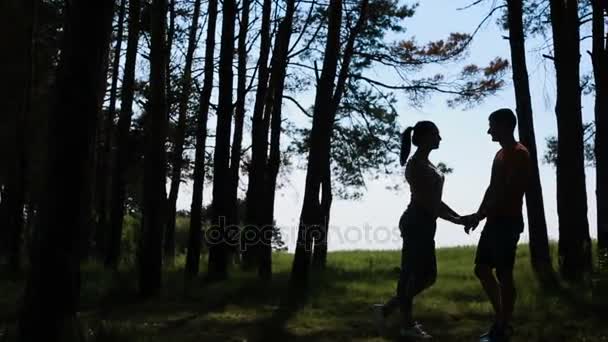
<point>491,287</point>
<point>507,294</point>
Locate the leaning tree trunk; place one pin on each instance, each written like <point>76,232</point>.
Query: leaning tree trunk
<point>319,256</point>
<point>279,63</point>
<point>155,132</point>
<point>574,241</point>
<point>121,161</point>
<point>239,112</point>
<point>259,149</point>
<point>105,158</point>
<point>539,241</point>
<point>196,219</point>
<point>180,135</point>
<point>16,97</point>
<point>311,218</point>
<point>599,57</point>
<point>220,206</point>
<point>51,295</point>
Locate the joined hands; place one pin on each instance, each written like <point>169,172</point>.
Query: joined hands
<point>470,222</point>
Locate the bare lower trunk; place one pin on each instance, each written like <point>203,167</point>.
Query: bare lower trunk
<point>574,241</point>
<point>239,112</point>
<point>600,69</point>
<point>105,158</point>
<point>539,242</point>
<point>180,136</point>
<point>122,140</point>
<point>279,73</point>
<point>51,295</point>
<point>220,206</point>
<point>311,216</point>
<point>154,162</point>
<point>196,219</point>
<point>259,149</point>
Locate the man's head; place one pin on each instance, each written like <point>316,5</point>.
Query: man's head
<point>502,124</point>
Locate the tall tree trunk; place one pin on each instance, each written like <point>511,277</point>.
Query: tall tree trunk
<point>155,133</point>
<point>16,96</point>
<point>122,140</point>
<point>319,256</point>
<point>239,113</point>
<point>574,241</point>
<point>196,219</point>
<point>51,295</point>
<point>600,70</point>
<point>259,149</point>
<point>220,206</point>
<point>105,160</point>
<point>539,242</point>
<point>180,135</point>
<point>279,64</point>
<point>311,216</point>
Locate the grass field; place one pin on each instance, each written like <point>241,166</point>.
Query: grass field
<point>337,308</point>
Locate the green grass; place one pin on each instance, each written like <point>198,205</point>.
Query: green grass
<point>337,308</point>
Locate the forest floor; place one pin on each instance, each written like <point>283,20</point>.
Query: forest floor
<point>336,309</point>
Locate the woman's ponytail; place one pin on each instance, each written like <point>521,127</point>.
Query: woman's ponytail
<point>406,144</point>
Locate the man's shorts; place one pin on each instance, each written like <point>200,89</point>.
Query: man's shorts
<point>498,243</point>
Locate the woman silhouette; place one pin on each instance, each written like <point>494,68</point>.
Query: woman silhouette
<point>418,225</point>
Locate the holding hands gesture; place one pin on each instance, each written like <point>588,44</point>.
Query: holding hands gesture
<point>470,222</point>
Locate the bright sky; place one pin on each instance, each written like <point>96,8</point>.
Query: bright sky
<point>371,223</point>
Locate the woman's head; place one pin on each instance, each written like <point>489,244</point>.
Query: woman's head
<point>424,134</point>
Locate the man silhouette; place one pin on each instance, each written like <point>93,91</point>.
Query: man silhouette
<point>502,209</point>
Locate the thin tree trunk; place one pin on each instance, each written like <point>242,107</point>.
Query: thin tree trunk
<point>122,140</point>
<point>51,295</point>
<point>103,210</point>
<point>259,150</point>
<point>574,241</point>
<point>196,219</point>
<point>279,72</point>
<point>310,218</point>
<point>17,99</point>
<point>239,113</point>
<point>600,70</point>
<point>539,241</point>
<point>320,237</point>
<point>220,206</point>
<point>180,135</point>
<point>154,162</point>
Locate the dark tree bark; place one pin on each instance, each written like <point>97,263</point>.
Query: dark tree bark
<point>279,64</point>
<point>155,133</point>
<point>599,57</point>
<point>220,206</point>
<point>311,216</point>
<point>319,256</point>
<point>239,112</point>
<point>196,219</point>
<point>16,96</point>
<point>574,241</point>
<point>51,295</point>
<point>539,242</point>
<point>259,149</point>
<point>122,140</point>
<point>105,159</point>
<point>180,135</point>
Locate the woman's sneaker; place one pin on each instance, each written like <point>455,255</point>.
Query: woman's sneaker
<point>379,318</point>
<point>496,334</point>
<point>415,331</point>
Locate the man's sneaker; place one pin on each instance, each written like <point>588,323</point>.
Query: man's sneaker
<point>379,318</point>
<point>415,331</point>
<point>496,334</point>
